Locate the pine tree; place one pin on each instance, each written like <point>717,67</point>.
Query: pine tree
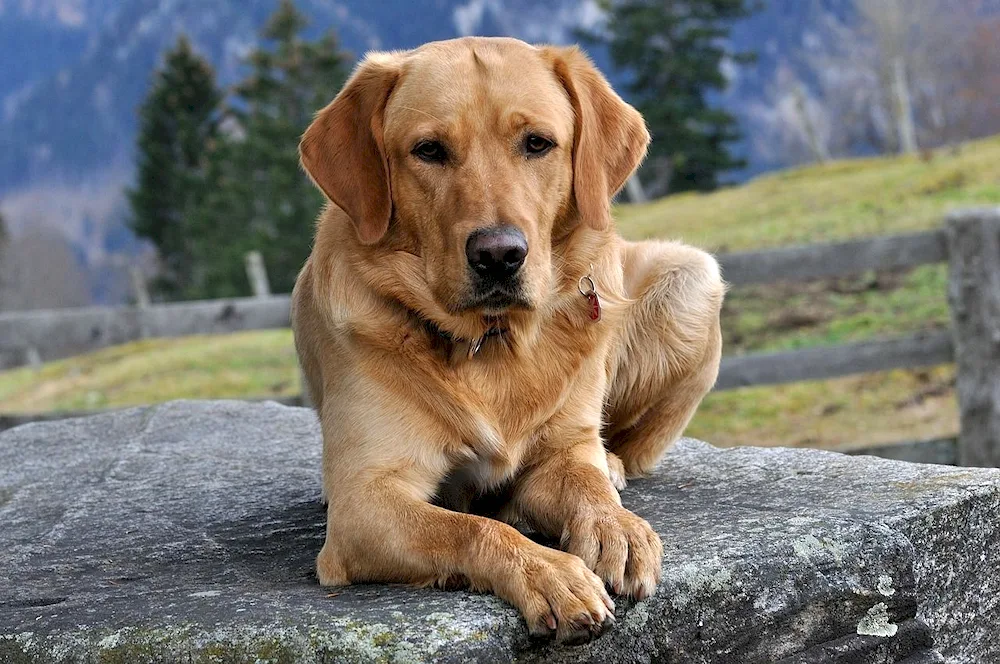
<point>178,127</point>
<point>263,201</point>
<point>672,52</point>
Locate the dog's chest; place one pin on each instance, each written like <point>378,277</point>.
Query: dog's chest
<point>508,402</point>
<point>516,396</point>
<point>485,465</point>
<point>501,409</point>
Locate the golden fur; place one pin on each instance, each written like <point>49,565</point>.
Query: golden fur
<point>417,430</point>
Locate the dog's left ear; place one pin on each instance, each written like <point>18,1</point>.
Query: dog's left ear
<point>610,137</point>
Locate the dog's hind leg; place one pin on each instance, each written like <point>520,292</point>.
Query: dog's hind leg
<point>666,356</point>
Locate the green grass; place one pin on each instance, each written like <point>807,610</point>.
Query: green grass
<point>836,201</point>
<point>201,367</point>
<point>879,408</point>
<point>839,200</point>
<point>790,316</point>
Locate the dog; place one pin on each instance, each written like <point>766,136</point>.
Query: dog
<point>481,347</point>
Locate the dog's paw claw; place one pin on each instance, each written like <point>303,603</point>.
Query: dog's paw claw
<point>559,594</point>
<point>629,550</point>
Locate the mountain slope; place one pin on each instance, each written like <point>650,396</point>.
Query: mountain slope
<point>76,70</point>
<point>71,107</point>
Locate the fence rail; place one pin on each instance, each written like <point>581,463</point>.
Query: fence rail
<point>920,350</point>
<point>968,242</point>
<point>837,259</point>
<point>62,332</point>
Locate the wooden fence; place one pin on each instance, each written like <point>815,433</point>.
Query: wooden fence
<point>969,242</point>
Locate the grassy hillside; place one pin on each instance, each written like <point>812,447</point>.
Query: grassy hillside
<point>823,203</point>
<point>202,367</point>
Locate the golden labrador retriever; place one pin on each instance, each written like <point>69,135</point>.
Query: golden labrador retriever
<point>471,327</point>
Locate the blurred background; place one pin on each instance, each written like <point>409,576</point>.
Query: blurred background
<point>148,155</point>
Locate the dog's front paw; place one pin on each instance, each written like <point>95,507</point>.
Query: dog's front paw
<point>556,593</point>
<point>619,546</point>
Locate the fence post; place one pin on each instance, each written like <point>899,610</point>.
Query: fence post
<point>257,274</point>
<point>634,189</point>
<point>142,301</point>
<point>32,357</point>
<point>904,107</point>
<point>139,288</point>
<point>974,298</point>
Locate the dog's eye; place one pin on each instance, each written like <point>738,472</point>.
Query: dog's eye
<point>430,151</point>
<point>536,145</point>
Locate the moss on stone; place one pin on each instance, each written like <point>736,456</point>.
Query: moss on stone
<point>13,651</point>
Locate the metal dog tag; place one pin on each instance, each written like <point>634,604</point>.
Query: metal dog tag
<point>588,289</point>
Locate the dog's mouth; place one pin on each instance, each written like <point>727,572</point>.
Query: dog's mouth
<point>496,300</point>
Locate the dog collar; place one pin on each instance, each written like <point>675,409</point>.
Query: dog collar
<point>455,347</point>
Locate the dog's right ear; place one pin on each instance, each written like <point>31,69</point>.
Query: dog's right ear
<point>342,150</point>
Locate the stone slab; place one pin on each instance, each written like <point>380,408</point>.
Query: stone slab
<point>186,532</point>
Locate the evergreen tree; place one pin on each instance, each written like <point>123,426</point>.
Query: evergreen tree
<point>178,127</point>
<point>263,201</point>
<point>672,52</point>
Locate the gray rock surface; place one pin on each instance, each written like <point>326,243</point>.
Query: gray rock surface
<point>186,533</point>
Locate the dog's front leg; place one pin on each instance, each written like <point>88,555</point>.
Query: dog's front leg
<point>568,494</point>
<point>382,528</point>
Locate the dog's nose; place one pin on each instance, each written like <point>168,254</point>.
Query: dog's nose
<point>496,253</point>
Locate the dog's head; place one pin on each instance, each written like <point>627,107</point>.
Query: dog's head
<point>470,154</point>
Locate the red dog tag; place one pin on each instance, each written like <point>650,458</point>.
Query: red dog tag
<point>595,306</point>
<point>588,289</point>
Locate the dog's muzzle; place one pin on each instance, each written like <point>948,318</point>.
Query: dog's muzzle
<point>495,256</point>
